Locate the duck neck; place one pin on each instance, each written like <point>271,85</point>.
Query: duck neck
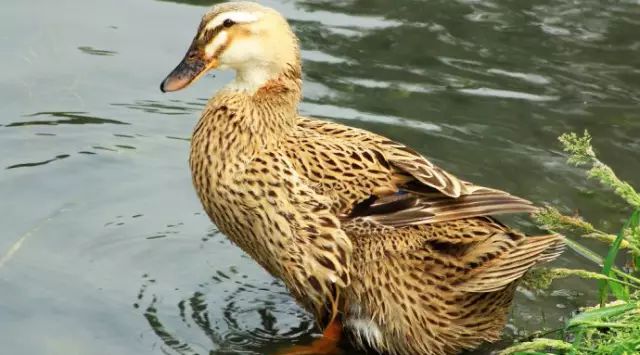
<point>243,120</point>
<point>275,101</point>
<point>251,79</point>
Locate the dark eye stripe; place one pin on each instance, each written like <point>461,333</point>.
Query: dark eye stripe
<point>209,34</point>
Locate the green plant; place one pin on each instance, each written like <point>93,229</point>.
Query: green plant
<point>609,328</point>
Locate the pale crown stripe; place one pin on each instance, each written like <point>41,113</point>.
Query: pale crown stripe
<point>235,16</point>
<point>217,42</point>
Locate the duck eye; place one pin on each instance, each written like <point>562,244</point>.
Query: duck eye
<point>228,23</point>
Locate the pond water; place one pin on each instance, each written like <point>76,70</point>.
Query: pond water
<point>104,247</point>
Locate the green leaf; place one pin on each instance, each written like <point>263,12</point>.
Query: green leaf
<point>604,285</point>
<point>601,313</point>
<point>619,291</point>
<point>635,240</point>
<point>584,251</point>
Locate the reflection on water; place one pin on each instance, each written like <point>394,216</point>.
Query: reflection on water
<point>27,165</point>
<point>483,88</point>
<point>94,51</point>
<point>168,107</point>
<point>507,94</point>
<point>64,118</point>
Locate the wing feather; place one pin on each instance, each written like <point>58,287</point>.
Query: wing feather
<point>411,209</point>
<point>501,271</point>
<point>425,193</point>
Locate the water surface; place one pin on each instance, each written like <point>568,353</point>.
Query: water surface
<point>105,249</point>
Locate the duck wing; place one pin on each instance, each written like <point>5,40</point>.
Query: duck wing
<point>424,193</point>
<point>407,207</point>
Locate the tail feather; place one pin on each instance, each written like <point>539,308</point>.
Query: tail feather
<point>501,272</point>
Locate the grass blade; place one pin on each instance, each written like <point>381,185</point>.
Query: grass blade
<point>601,313</point>
<point>619,291</point>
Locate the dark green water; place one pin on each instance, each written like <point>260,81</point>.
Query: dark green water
<point>104,249</point>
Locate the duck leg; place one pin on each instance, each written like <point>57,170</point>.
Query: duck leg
<point>325,345</point>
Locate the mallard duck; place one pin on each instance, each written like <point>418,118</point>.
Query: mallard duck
<point>383,247</point>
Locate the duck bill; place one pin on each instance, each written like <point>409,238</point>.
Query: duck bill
<point>188,71</point>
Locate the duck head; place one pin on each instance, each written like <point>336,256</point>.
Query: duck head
<point>251,39</point>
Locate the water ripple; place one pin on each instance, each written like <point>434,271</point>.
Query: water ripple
<point>67,118</point>
<point>528,77</point>
<point>507,94</point>
<point>94,51</point>
<point>38,163</point>
<point>343,113</point>
<point>169,107</point>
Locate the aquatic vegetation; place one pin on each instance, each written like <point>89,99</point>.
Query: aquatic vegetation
<point>613,326</point>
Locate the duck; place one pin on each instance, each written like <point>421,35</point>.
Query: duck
<point>386,250</point>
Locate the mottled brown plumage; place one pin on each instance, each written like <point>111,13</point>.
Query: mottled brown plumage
<point>361,229</point>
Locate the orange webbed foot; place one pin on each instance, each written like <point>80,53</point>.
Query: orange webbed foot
<point>325,345</point>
